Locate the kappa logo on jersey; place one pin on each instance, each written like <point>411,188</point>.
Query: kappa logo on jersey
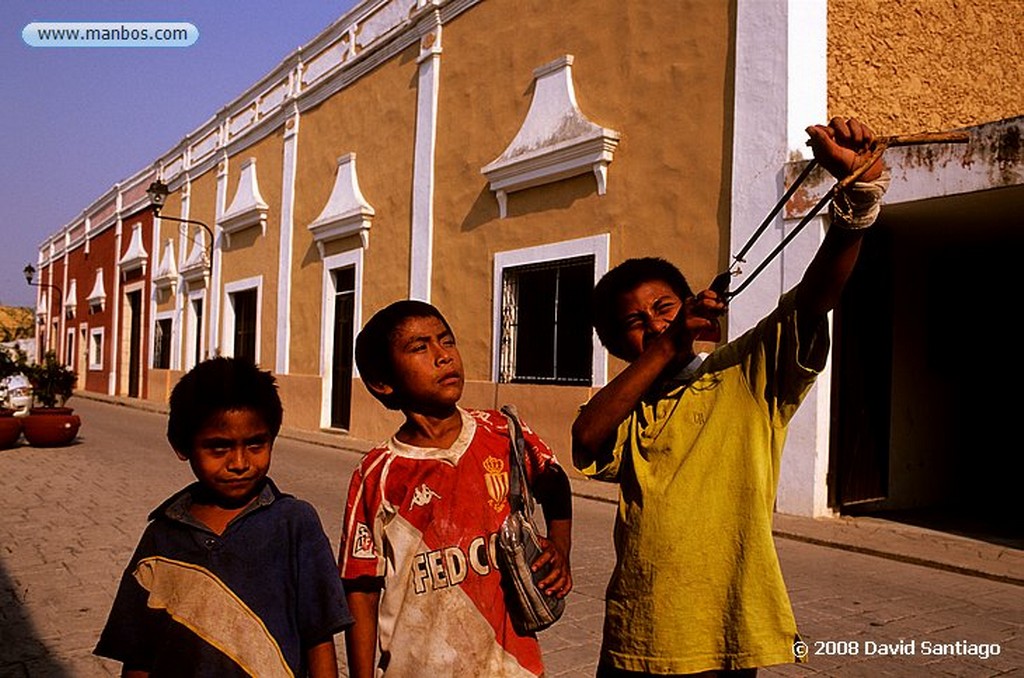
<point>423,495</point>
<point>496,480</point>
<point>362,544</point>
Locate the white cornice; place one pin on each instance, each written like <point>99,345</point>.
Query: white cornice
<point>248,208</point>
<point>347,212</point>
<point>556,140</point>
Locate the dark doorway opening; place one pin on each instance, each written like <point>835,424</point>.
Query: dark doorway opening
<point>924,426</point>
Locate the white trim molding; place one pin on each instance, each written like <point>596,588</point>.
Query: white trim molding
<point>157,317</point>
<point>286,245</point>
<point>248,208</point>
<point>194,332</point>
<point>227,343</point>
<point>556,140</point>
<point>353,258</point>
<point>597,246</point>
<point>96,348</point>
<point>347,212</point>
<point>421,254</point>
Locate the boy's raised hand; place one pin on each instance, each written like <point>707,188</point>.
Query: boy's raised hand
<point>697,321</point>
<point>843,146</point>
<point>703,312</point>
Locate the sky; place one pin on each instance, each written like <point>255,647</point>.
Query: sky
<point>74,121</point>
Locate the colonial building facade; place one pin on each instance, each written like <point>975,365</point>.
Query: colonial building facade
<point>496,158</point>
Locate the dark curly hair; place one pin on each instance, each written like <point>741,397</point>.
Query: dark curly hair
<point>221,385</point>
<point>625,277</point>
<point>373,344</point>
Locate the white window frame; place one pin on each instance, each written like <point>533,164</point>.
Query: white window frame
<point>596,246</point>
<point>353,258</point>
<point>69,336</point>
<point>96,361</point>
<point>227,337</point>
<point>157,317</point>
<point>194,327</point>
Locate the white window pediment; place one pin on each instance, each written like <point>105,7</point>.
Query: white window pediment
<point>71,299</point>
<point>197,265</point>
<point>347,212</point>
<point>42,305</point>
<point>556,140</point>
<point>98,296</point>
<point>166,273</point>
<point>248,208</point>
<point>135,257</point>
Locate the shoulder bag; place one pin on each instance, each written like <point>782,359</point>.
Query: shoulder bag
<point>531,608</point>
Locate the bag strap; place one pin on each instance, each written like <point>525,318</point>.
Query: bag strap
<point>519,496</point>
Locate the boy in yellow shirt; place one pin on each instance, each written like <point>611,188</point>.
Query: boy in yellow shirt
<point>696,444</point>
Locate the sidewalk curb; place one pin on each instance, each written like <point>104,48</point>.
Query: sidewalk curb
<point>865,535</point>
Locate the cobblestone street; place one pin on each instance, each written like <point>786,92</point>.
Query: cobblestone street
<point>71,517</point>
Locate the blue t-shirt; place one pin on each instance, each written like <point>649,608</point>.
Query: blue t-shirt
<point>250,601</point>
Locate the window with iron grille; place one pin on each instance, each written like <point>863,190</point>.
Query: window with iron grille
<point>545,322</point>
<point>162,344</point>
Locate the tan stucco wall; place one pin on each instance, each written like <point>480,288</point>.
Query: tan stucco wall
<point>371,420</point>
<point>913,65</point>
<point>160,383</point>
<point>660,78</point>
<point>202,199</point>
<point>250,253</point>
<point>375,118</point>
<point>300,396</point>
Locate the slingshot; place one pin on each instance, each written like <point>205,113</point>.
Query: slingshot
<point>720,284</point>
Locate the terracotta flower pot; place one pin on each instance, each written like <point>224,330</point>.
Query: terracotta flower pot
<point>51,426</point>
<point>10,429</point>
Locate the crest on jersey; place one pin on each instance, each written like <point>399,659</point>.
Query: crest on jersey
<point>496,479</point>
<point>362,543</point>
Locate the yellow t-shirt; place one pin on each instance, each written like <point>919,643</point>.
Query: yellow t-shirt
<point>697,584</point>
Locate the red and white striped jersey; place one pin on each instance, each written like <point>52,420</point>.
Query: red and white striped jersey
<point>425,519</point>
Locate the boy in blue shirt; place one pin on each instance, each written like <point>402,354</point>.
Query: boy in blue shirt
<point>232,577</point>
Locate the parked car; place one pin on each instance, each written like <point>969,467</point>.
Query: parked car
<point>16,394</point>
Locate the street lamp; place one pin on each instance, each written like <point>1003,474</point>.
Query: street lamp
<point>158,193</point>
<point>30,273</point>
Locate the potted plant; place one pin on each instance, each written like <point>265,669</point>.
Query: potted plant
<point>50,423</point>
<point>10,427</point>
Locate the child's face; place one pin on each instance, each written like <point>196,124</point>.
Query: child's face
<point>426,366</point>
<point>231,456</point>
<point>644,312</point>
